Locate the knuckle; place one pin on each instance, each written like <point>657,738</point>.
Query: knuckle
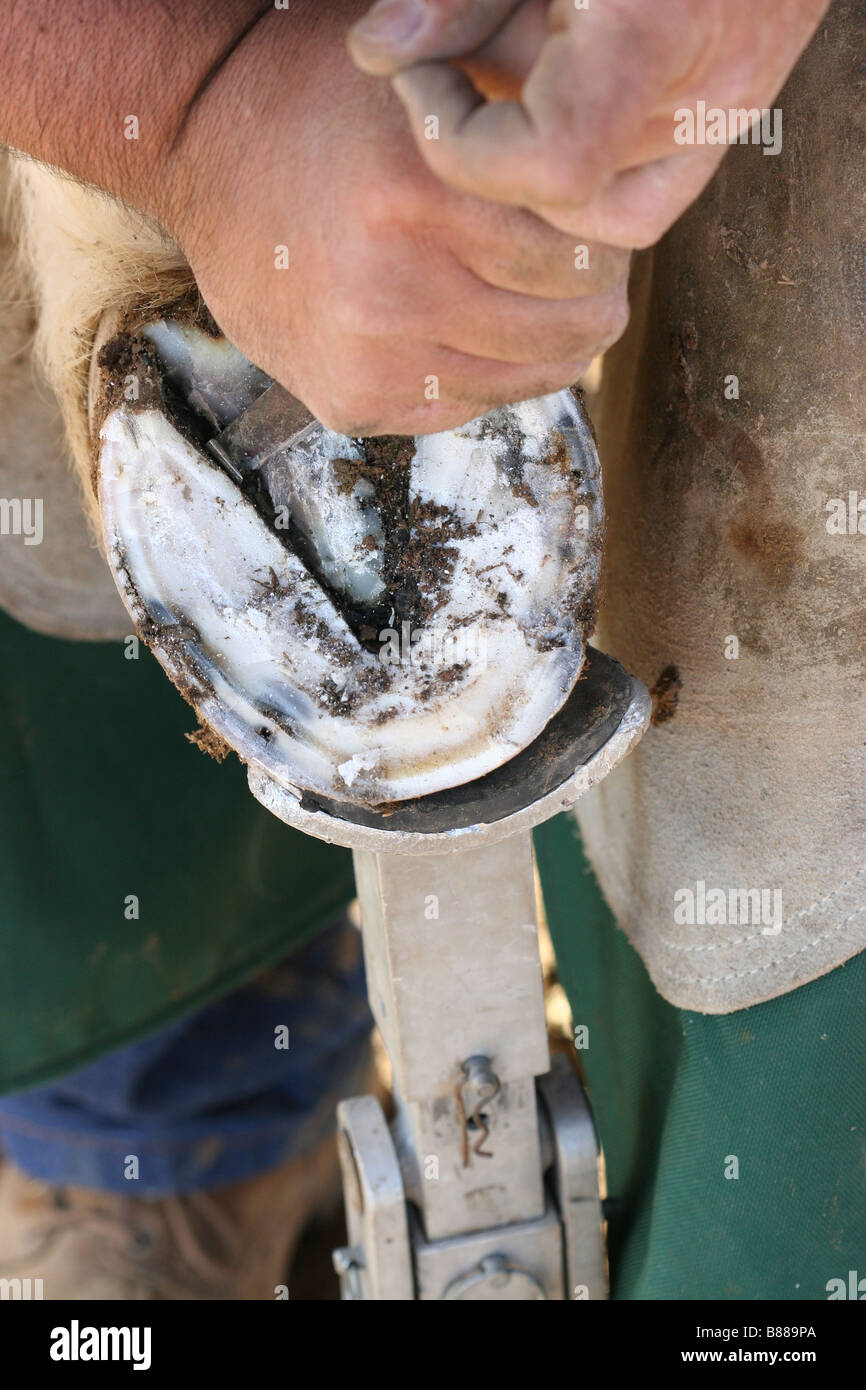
<point>614,320</point>
<point>346,314</point>
<point>642,225</point>
<point>564,175</point>
<point>374,201</point>
<point>648,232</point>
<point>594,322</point>
<point>558,376</point>
<point>353,413</point>
<point>572,371</point>
<point>359,314</point>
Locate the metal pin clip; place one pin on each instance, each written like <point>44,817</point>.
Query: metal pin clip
<point>480,1073</point>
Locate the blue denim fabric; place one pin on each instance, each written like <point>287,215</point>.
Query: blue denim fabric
<point>210,1099</point>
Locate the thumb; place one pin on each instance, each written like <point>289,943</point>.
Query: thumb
<point>396,33</point>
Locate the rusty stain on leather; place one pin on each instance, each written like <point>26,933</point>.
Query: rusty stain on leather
<point>775,546</point>
<point>666,696</point>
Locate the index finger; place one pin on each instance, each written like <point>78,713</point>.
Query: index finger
<point>559,146</point>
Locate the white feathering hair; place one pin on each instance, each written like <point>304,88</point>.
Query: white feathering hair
<point>82,255</point>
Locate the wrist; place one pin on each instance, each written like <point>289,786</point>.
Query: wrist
<point>259,107</point>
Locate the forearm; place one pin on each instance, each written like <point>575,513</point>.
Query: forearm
<point>75,73</point>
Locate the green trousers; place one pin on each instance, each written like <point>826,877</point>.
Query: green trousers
<point>138,879</point>
<point>735,1146</point>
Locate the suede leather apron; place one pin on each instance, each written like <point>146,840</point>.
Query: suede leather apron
<point>731,845</point>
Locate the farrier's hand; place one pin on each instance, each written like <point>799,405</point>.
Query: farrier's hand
<point>589,145</point>
<point>396,286</point>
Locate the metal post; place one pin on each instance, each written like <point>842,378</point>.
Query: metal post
<point>485,1184</point>
<point>453,973</point>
